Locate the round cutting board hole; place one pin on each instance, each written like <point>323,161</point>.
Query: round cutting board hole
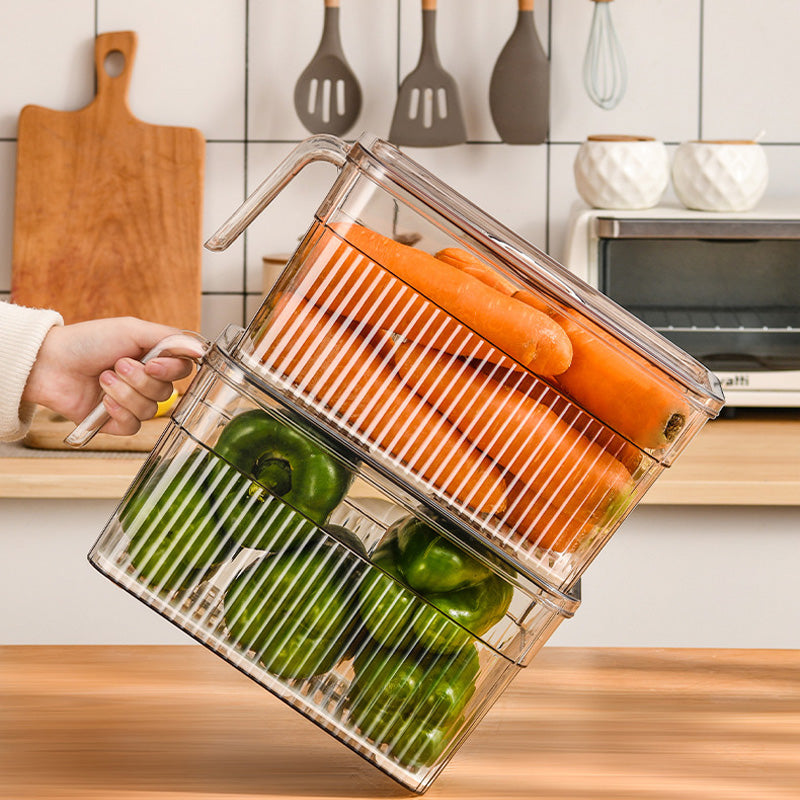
<point>114,63</point>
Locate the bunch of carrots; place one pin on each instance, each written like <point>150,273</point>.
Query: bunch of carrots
<point>480,388</point>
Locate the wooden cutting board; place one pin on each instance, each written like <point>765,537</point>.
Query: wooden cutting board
<point>108,210</point>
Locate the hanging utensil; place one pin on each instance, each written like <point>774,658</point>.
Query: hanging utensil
<point>428,109</point>
<point>519,91</point>
<point>604,72</point>
<point>327,95</point>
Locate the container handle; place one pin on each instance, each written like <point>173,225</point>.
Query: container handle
<point>322,147</point>
<point>185,344</point>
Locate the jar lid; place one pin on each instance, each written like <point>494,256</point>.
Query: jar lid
<point>723,141</point>
<point>618,137</point>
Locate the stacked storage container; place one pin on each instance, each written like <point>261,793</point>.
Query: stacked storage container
<point>377,500</point>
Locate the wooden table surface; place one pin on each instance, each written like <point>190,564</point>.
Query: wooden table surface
<point>173,723</point>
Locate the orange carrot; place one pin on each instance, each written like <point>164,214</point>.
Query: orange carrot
<point>336,366</point>
<point>374,279</point>
<point>628,454</point>
<point>472,265</point>
<point>547,525</point>
<point>617,385</point>
<point>569,479</point>
<point>343,280</point>
<point>620,448</point>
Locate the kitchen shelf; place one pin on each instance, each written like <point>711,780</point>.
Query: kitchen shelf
<point>751,459</point>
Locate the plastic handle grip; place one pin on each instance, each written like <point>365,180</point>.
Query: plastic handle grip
<point>316,148</point>
<point>186,344</point>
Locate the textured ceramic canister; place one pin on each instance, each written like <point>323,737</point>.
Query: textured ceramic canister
<point>623,172</point>
<point>720,175</point>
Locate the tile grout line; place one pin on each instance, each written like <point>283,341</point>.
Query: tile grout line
<point>246,153</point>
<point>397,51</point>
<point>700,71</point>
<point>548,153</point>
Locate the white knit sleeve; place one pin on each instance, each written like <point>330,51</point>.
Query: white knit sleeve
<point>22,331</point>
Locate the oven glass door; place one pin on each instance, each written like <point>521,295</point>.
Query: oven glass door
<point>733,304</point>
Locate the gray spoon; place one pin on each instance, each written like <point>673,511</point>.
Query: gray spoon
<point>327,95</point>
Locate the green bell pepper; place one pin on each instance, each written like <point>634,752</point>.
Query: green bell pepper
<point>174,536</point>
<point>413,704</point>
<point>282,462</point>
<point>475,608</point>
<point>431,563</point>
<point>386,606</point>
<point>394,616</point>
<point>297,610</point>
<point>469,594</point>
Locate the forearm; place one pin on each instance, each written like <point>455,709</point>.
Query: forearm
<point>22,331</point>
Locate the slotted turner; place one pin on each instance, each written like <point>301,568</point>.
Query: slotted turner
<point>428,109</point>
<point>327,95</point>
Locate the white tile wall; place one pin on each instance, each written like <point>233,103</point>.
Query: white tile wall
<point>46,57</point>
<point>190,65</point>
<point>750,67</point>
<point>660,40</point>
<point>713,68</point>
<point>223,272</point>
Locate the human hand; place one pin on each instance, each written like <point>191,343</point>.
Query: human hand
<point>78,364</point>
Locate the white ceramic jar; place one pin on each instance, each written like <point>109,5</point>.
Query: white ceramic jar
<point>622,172</point>
<point>720,175</point>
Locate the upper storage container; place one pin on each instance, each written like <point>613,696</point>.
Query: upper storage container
<point>467,366</point>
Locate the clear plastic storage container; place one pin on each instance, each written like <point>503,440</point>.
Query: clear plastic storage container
<point>478,373</point>
<point>377,500</point>
<point>331,596</point>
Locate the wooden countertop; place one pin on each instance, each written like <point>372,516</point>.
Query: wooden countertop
<point>753,459</point>
<point>173,723</point>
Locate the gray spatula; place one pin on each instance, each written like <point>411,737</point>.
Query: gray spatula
<point>428,109</point>
<point>519,91</point>
<point>327,95</point>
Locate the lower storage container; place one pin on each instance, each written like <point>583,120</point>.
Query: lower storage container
<point>271,545</point>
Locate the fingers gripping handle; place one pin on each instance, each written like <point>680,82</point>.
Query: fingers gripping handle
<point>180,345</point>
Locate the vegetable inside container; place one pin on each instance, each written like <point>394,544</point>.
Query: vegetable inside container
<point>502,449</point>
<point>467,365</point>
<point>357,612</point>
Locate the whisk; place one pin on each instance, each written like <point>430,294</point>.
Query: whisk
<point>604,73</point>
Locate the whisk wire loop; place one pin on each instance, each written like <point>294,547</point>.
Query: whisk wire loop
<point>604,70</point>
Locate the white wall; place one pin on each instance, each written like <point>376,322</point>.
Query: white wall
<point>698,69</point>
<point>670,577</point>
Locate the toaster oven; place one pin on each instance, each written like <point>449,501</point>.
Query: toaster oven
<point>725,288</point>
